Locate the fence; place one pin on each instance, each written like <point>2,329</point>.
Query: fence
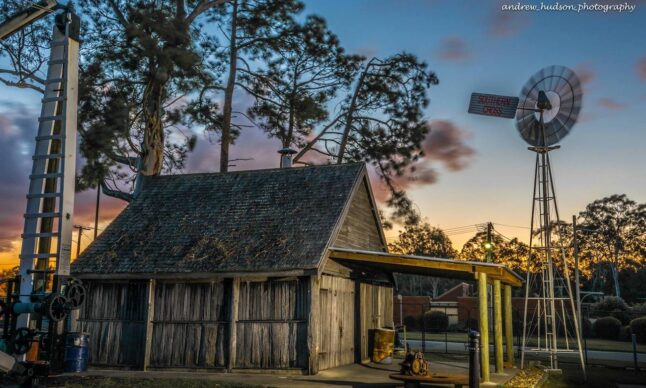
<point>434,328</point>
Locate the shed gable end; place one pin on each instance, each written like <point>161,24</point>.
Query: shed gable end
<point>360,228</point>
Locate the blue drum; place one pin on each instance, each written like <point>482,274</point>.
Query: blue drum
<point>77,352</point>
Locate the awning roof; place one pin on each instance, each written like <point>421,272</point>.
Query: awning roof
<point>431,266</point>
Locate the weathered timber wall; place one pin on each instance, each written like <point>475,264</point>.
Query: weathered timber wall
<point>272,324</point>
<point>360,229</point>
<point>114,316</point>
<point>376,311</point>
<point>337,322</point>
<point>190,325</point>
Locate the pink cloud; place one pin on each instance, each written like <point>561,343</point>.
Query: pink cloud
<point>445,144</point>
<point>454,49</point>
<point>641,69</point>
<point>585,73</point>
<point>609,103</point>
<point>504,24</point>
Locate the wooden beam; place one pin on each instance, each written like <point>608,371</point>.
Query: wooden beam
<point>150,314</point>
<point>484,327</point>
<point>314,325</point>
<point>408,262</point>
<point>497,326</point>
<point>509,334</point>
<point>233,320</point>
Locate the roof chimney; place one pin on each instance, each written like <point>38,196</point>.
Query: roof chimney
<point>286,157</point>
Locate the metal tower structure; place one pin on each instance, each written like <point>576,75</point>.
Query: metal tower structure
<point>551,101</point>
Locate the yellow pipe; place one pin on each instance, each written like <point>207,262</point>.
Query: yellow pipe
<point>509,334</point>
<point>497,326</point>
<point>484,327</point>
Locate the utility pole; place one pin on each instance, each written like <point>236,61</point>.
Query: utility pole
<point>577,286</point>
<point>489,245</point>
<point>81,228</point>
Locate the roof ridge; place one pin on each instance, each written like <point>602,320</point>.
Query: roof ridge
<point>263,170</point>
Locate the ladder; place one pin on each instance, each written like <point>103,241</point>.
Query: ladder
<point>47,233</point>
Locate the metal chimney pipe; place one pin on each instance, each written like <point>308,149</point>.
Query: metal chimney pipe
<point>286,157</point>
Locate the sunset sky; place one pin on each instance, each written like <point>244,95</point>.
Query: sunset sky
<point>483,170</point>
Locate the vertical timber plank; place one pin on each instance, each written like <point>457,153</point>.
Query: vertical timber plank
<point>314,329</point>
<point>150,312</point>
<point>233,309</point>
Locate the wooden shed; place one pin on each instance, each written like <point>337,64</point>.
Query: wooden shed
<point>233,271</point>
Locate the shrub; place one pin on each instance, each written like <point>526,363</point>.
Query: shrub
<point>586,326</point>
<point>625,333</point>
<point>638,327</point>
<point>456,327</point>
<point>436,321</point>
<point>411,322</point>
<point>639,309</point>
<point>613,307</point>
<point>607,327</point>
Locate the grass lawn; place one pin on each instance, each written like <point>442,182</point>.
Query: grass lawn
<point>593,343</point>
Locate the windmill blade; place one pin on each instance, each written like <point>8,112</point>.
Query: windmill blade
<point>563,88</point>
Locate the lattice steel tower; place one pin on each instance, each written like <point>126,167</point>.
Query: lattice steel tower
<point>549,106</point>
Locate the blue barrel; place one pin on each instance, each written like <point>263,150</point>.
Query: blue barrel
<point>77,352</point>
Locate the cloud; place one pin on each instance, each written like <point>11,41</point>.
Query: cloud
<point>609,103</point>
<point>446,144</point>
<point>641,69</point>
<point>504,24</point>
<point>585,73</point>
<point>17,130</point>
<point>454,49</point>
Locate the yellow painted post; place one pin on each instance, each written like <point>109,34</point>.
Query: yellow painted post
<point>509,334</point>
<point>484,326</point>
<point>497,326</point>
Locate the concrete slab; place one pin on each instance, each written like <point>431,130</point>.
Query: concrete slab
<point>369,375</point>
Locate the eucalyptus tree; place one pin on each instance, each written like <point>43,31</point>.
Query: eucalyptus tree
<point>613,230</point>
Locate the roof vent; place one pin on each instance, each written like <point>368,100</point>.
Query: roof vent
<point>286,157</point>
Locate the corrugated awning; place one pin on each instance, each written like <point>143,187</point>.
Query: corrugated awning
<point>431,266</point>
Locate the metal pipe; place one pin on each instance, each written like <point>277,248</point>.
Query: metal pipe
<point>474,361</point>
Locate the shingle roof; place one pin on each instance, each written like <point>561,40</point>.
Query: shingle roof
<point>262,220</point>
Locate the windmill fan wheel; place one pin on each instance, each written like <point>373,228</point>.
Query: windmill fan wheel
<point>550,103</point>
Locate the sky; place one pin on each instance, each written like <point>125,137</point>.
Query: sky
<point>477,169</point>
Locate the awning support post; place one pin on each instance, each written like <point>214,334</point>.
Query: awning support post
<point>484,326</point>
<point>497,326</point>
<point>509,328</point>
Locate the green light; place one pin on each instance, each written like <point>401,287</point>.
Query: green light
<point>488,246</point>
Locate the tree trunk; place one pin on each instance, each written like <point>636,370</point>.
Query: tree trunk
<point>349,116</point>
<point>153,147</point>
<point>225,139</point>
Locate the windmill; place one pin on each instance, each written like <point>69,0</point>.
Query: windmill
<point>549,107</point>
<point>545,113</point>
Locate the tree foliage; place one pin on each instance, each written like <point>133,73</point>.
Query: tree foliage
<point>295,86</point>
<point>423,240</point>
<point>251,30</point>
<point>381,121</point>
